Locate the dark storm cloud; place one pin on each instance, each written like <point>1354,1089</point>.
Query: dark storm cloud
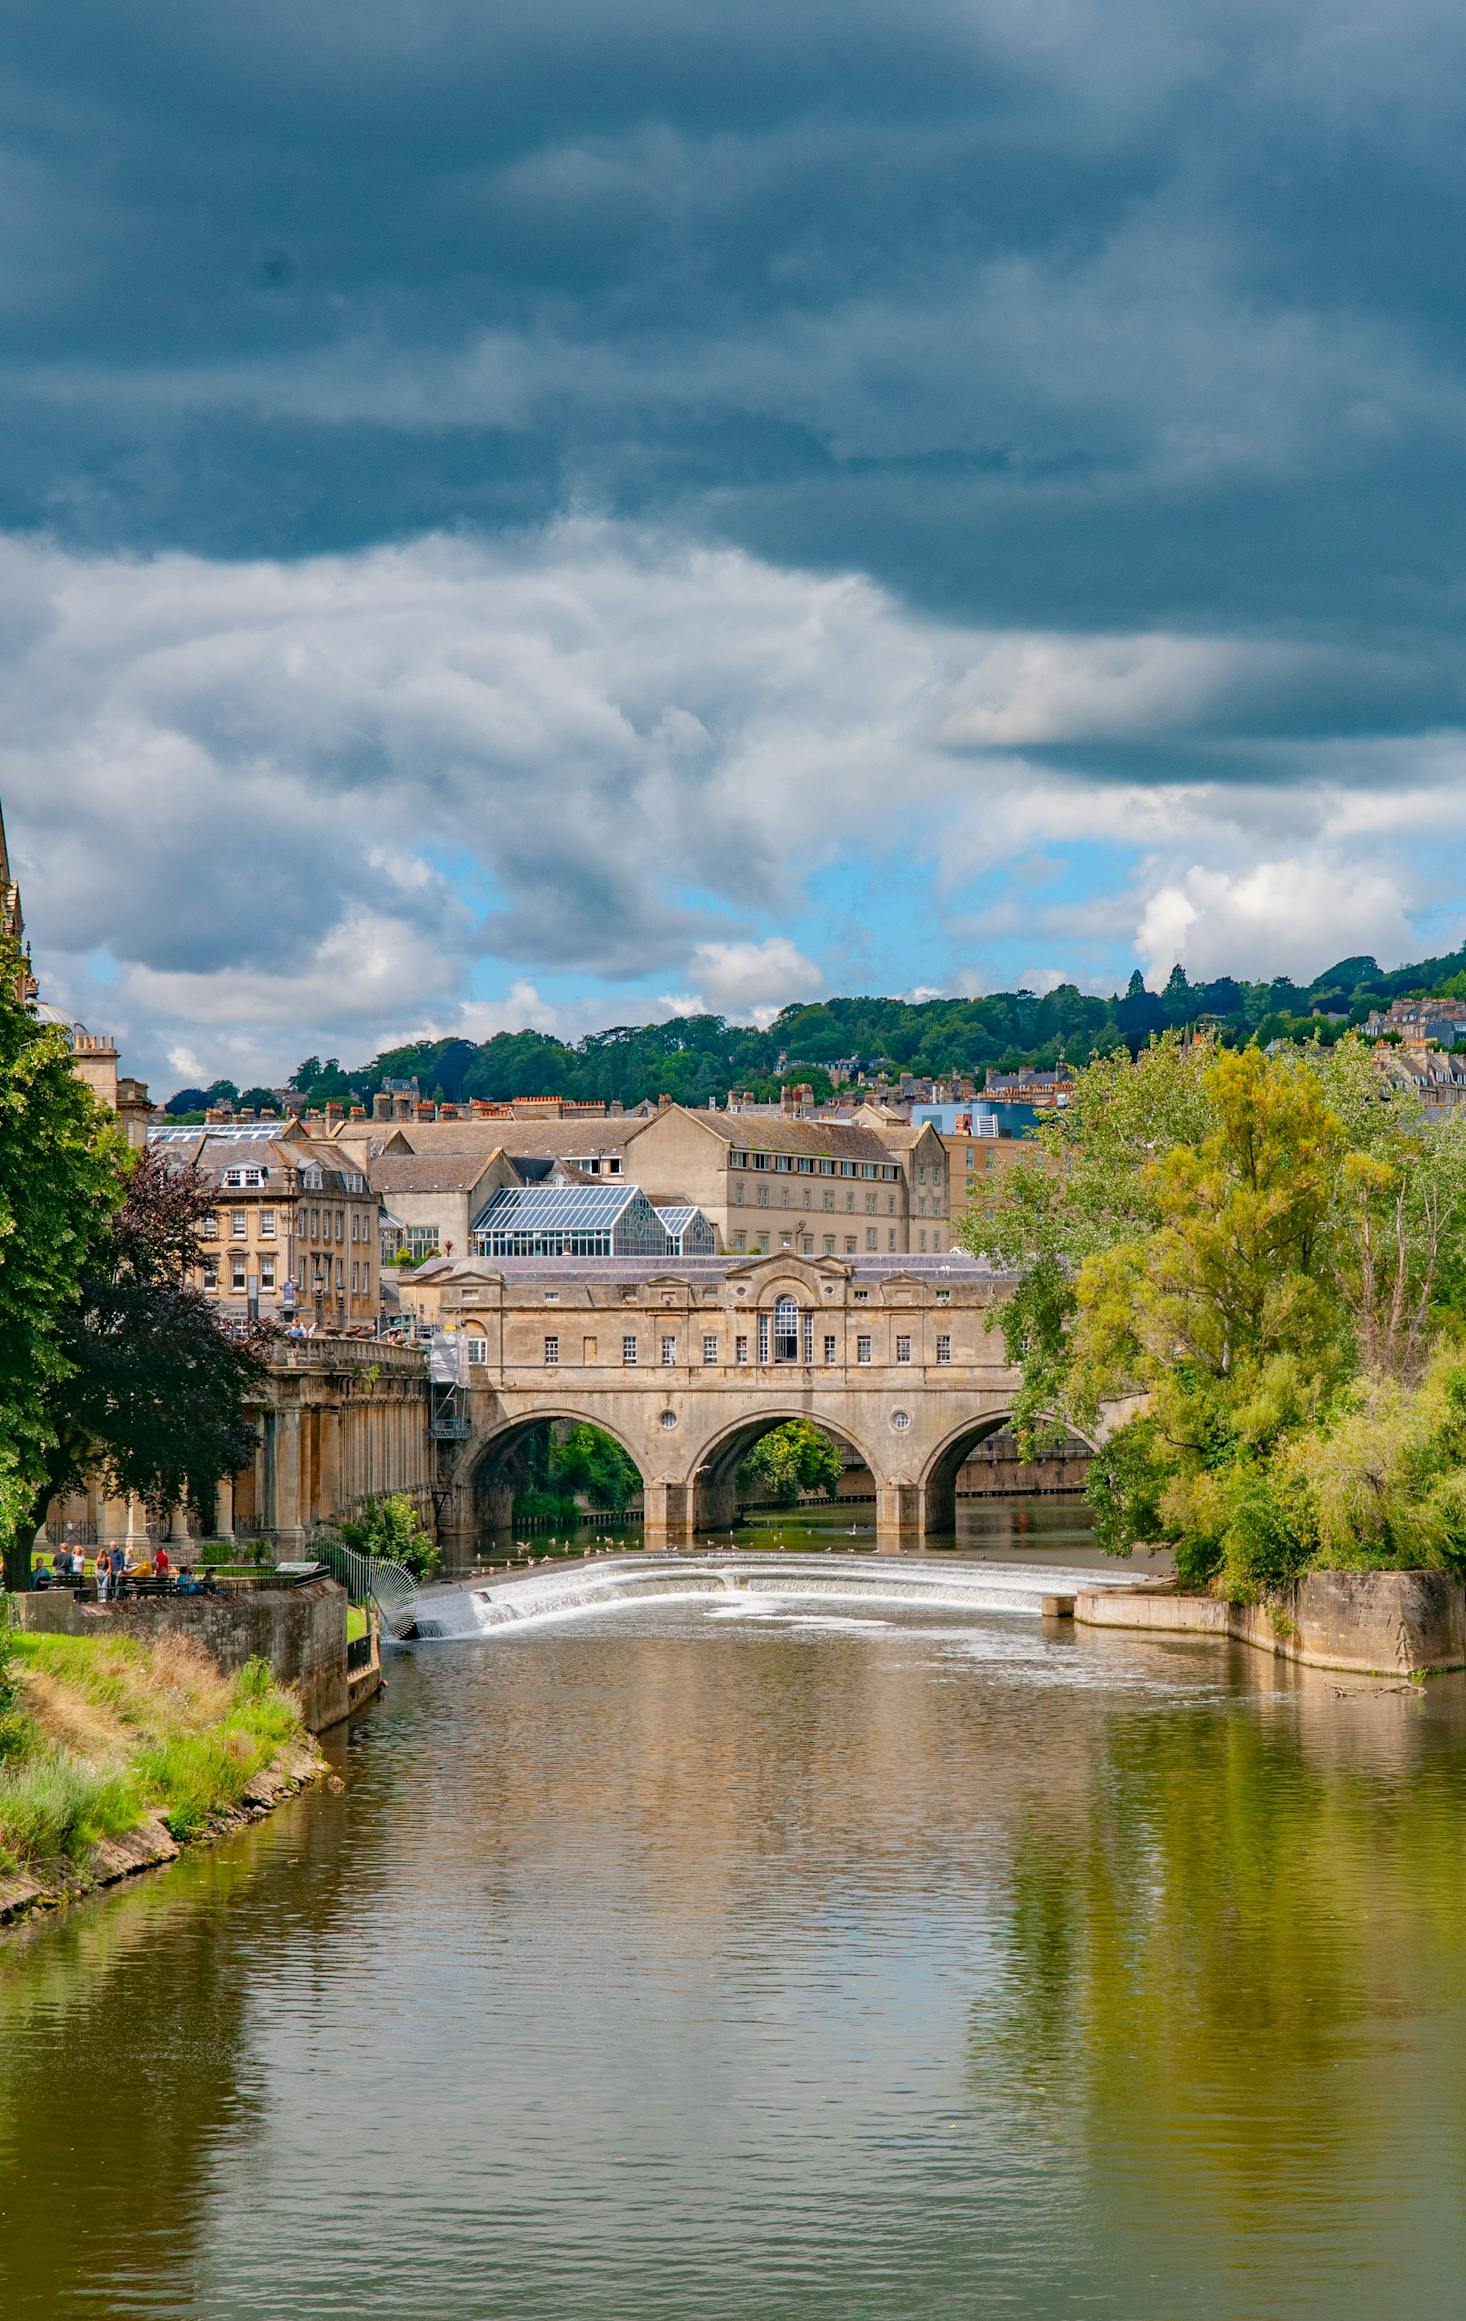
<point>1134,315</point>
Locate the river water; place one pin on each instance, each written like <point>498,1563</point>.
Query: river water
<point>715,1962</point>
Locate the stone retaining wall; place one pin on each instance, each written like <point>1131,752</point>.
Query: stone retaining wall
<point>1373,1623</point>
<point>300,1631</point>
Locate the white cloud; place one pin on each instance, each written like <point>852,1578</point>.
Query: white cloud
<point>262,810</point>
<point>1282,918</point>
<point>749,981</point>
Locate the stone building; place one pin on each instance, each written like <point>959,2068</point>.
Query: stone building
<point>339,1422</point>
<point>763,1180</point>
<point>295,1231</point>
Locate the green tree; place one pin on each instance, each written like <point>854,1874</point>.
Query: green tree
<point>789,1460</point>
<point>391,1528</point>
<point>63,1165</point>
<point>154,1392</point>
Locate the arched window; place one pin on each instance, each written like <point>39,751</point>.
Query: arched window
<point>786,1330</point>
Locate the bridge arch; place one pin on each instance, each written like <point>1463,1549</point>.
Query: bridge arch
<point>488,1473</point>
<point>939,1479</point>
<point>712,1484</point>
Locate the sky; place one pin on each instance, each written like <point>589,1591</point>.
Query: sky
<point>575,510</point>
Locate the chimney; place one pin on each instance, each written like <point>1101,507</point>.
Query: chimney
<point>246,1112</point>
<point>381,1107</point>
<point>447,1112</point>
<point>663,1102</point>
<point>358,1112</point>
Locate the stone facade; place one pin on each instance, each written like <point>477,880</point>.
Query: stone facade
<point>296,1225</point>
<point>687,1365</point>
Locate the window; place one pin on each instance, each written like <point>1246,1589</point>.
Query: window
<point>862,1349</point>
<point>267,1273</point>
<point>783,1163</point>
<point>552,1353</point>
<point>738,1192</point>
<point>762,1196</point>
<point>628,1353</point>
<point>829,1245</point>
<point>829,1350</point>
<point>944,1349</point>
<point>739,1239</point>
<point>760,1160</point>
<point>669,1353</point>
<point>891,1238</point>
<point>237,1280</point>
<point>870,1237</point>
<point>315,1224</point>
<point>786,1330</point>
<point>829,1198</point>
<point>890,1205</point>
<point>710,1348</point>
<point>850,1245</point>
<point>763,1337</point>
<point>870,1203</point>
<point>862,1297</point>
<point>552,1297</point>
<point>478,1349</point>
<point>210,1226</point>
<point>805,1168</point>
<point>340,1274</point>
<point>827,1168</point>
<point>267,1224</point>
<point>849,1200</point>
<point>211,1273</point>
<point>740,1349</point>
<point>922,1239</point>
<point>847,1168</point>
<point>236,1225</point>
<point>903,1349</point>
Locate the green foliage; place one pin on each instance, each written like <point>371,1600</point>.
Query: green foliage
<point>63,1165</point>
<point>790,1459</point>
<point>186,1740</point>
<point>390,1527</point>
<point>1265,1253</point>
<point>565,1464</point>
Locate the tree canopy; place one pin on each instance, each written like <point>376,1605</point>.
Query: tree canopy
<point>1266,1253</point>
<point>63,1164</point>
<point>692,1058</point>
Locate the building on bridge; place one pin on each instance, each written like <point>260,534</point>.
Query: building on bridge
<point>687,1361</point>
<point>587,1220</point>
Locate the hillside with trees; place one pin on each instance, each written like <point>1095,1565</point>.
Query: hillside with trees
<point>692,1058</point>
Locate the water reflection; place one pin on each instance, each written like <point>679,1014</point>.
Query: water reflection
<point>797,1965</point>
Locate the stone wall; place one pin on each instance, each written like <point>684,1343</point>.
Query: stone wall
<point>1373,1623</point>
<point>300,1631</point>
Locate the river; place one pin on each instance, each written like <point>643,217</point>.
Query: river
<point>733,1963</point>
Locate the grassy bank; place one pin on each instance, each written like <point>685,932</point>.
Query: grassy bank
<point>97,1734</point>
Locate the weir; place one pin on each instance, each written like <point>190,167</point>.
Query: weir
<point>619,1582</point>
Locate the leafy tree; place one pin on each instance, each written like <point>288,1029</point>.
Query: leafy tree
<point>155,1386</point>
<point>586,1460</point>
<point>63,1164</point>
<point>1084,1191</point>
<point>389,1527</point>
<point>790,1459</point>
<point>259,1100</point>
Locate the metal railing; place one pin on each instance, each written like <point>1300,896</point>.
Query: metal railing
<point>373,1580</point>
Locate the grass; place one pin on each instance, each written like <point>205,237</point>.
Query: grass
<point>356,1622</point>
<point>100,1732</point>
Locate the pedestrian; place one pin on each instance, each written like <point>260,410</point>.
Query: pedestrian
<point>104,1574</point>
<point>162,1564</point>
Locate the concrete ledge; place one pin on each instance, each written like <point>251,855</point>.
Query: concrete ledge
<point>1383,1623</point>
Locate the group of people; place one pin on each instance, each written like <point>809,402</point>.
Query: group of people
<point>116,1567</point>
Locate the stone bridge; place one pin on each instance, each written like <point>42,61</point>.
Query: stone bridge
<point>687,1363</point>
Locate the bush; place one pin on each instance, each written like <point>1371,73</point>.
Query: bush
<point>389,1527</point>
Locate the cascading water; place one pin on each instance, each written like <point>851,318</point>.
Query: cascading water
<point>865,1579</point>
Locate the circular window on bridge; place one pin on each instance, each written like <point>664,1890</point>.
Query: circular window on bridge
<point>900,1420</point>
<point>668,1418</point>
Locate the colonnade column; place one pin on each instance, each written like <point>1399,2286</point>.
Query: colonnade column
<point>287,1475</point>
<point>224,1507</point>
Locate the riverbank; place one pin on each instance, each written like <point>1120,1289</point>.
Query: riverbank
<point>116,1753</point>
<point>1368,1623</point>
